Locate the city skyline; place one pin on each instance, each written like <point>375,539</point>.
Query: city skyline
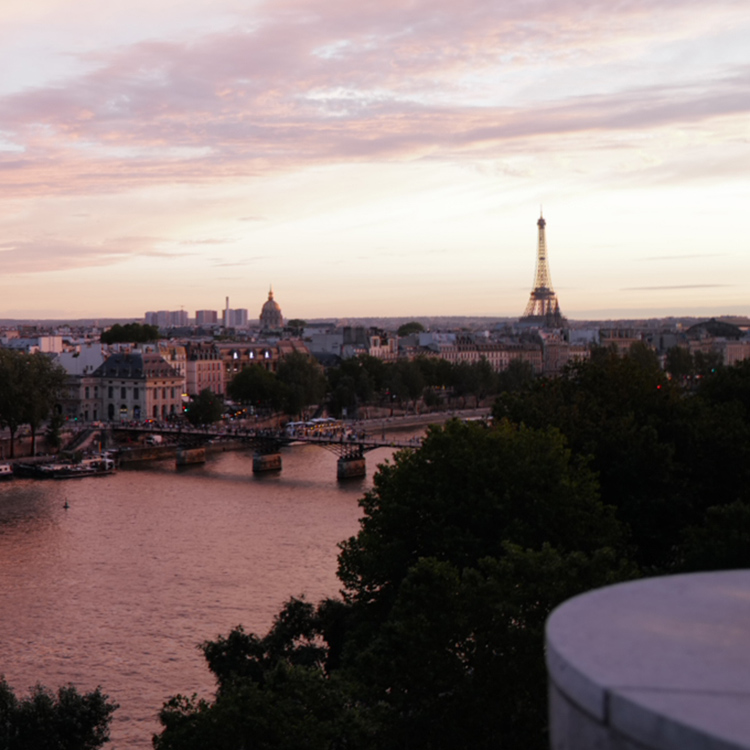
<point>379,159</point>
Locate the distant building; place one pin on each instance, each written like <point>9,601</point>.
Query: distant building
<point>235,318</point>
<point>178,319</point>
<point>138,385</point>
<point>465,349</point>
<point>620,338</point>
<point>236,356</point>
<point>45,344</point>
<point>205,369</point>
<point>352,341</point>
<point>81,397</point>
<point>271,318</point>
<point>206,318</point>
<point>167,319</point>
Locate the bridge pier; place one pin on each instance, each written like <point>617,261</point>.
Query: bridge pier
<point>351,467</point>
<point>188,456</point>
<point>263,462</point>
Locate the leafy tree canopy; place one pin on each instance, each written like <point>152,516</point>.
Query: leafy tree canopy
<point>30,386</point>
<point>467,544</point>
<point>130,332</point>
<point>465,547</point>
<point>67,720</point>
<point>205,408</point>
<point>256,385</point>
<point>303,382</point>
<point>413,326</point>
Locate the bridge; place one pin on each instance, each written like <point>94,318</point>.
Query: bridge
<point>191,442</point>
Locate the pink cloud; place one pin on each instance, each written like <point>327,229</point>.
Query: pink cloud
<point>338,82</point>
<point>50,254</point>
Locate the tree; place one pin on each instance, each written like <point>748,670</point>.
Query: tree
<point>43,384</point>
<point>30,386</point>
<point>412,327</point>
<point>205,408</point>
<point>679,363</point>
<point>663,457</point>
<point>465,547</point>
<point>463,494</point>
<point>45,721</point>
<point>405,381</point>
<point>516,377</point>
<point>296,326</point>
<point>256,385</point>
<point>303,382</point>
<point>12,400</point>
<point>130,333</point>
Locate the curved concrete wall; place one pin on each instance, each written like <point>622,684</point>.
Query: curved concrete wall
<point>660,663</point>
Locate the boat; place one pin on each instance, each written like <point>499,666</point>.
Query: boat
<point>96,466</point>
<point>6,472</point>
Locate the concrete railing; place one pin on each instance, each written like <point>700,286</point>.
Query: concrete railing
<point>660,663</point>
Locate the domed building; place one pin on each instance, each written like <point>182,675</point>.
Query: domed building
<point>271,318</point>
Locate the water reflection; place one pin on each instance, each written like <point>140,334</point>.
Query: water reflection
<point>119,588</point>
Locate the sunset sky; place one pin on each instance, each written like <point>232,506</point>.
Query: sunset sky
<point>374,157</point>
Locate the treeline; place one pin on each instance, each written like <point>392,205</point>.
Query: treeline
<point>30,386</point>
<point>612,471</point>
<point>67,720</point>
<point>368,381</point>
<point>609,472</point>
<point>130,333</point>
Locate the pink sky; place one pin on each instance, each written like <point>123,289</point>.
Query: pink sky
<point>373,158</point>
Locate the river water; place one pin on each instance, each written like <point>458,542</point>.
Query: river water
<point>118,589</point>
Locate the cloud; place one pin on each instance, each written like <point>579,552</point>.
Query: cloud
<point>674,286</point>
<point>49,255</point>
<point>309,84</point>
<point>695,256</point>
<point>209,241</point>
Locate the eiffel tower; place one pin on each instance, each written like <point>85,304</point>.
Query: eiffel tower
<point>543,308</point>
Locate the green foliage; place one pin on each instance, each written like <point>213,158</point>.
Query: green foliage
<point>663,457</point>
<point>130,333</point>
<point>679,363</point>
<point>466,492</point>
<point>205,408</point>
<point>296,326</point>
<point>407,329</point>
<point>256,385</point>
<point>53,437</point>
<point>271,693</point>
<point>517,377</point>
<point>298,383</point>
<point>303,382</point>
<point>30,386</point>
<point>366,380</point>
<point>465,547</point>
<point>357,381</point>
<point>45,721</point>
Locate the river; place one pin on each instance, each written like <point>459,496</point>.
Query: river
<point>118,589</point>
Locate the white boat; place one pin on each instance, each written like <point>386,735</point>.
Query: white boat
<point>6,471</point>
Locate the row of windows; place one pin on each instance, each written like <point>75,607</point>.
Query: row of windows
<point>136,392</point>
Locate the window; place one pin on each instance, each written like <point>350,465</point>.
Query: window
<point>123,392</point>
<point>87,393</point>
<point>111,392</point>
<point>135,393</point>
